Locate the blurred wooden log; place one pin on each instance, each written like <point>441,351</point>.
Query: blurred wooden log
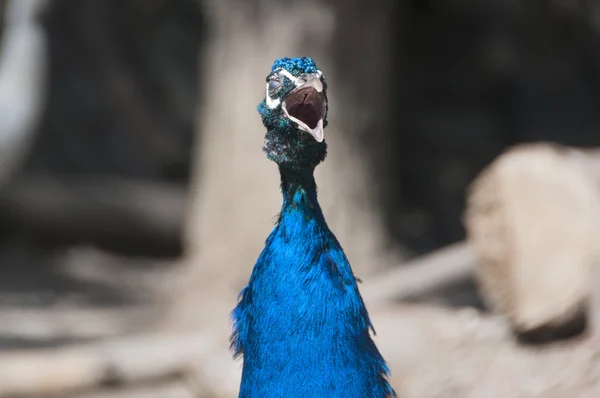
<point>423,275</point>
<point>122,214</point>
<point>169,389</point>
<point>37,326</point>
<point>128,361</point>
<point>533,218</point>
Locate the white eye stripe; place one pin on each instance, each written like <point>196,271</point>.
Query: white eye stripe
<point>293,78</point>
<point>271,103</point>
<point>289,76</point>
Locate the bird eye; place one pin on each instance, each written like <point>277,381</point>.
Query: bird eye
<point>274,85</point>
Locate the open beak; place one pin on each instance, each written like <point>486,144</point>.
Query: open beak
<point>305,106</point>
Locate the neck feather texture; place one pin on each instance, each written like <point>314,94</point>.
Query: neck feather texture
<point>301,324</point>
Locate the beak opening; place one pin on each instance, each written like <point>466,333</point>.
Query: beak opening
<point>305,106</point>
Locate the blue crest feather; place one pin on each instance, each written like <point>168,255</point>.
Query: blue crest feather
<point>295,66</point>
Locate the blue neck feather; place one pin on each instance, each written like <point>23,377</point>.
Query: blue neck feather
<point>301,324</point>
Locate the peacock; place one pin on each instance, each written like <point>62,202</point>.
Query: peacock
<point>300,323</point>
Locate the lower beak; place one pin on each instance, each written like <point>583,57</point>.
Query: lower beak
<point>305,106</point>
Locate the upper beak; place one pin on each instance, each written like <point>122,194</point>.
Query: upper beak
<point>306,105</point>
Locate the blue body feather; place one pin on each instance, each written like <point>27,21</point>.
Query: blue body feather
<point>301,324</point>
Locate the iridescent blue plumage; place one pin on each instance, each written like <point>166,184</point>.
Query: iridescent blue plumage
<point>301,323</point>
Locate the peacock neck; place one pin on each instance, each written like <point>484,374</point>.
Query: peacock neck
<point>299,191</point>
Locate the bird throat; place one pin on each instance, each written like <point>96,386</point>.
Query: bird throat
<point>300,189</point>
<point>294,149</point>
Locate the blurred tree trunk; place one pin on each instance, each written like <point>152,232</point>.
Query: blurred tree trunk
<point>235,191</point>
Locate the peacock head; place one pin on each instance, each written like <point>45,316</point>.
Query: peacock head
<point>294,112</point>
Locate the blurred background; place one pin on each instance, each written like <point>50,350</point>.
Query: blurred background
<point>135,197</point>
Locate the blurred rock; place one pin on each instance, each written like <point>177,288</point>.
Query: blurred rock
<point>444,353</point>
<point>533,218</point>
